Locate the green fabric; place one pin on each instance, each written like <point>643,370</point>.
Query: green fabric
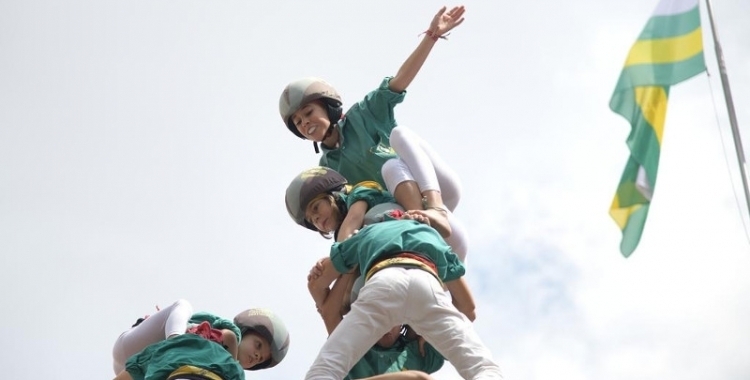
<point>160,359</point>
<point>216,322</point>
<point>380,360</point>
<point>392,236</point>
<point>663,55</point>
<point>372,196</point>
<point>364,141</point>
<point>673,25</point>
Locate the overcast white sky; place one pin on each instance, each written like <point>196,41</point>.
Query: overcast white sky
<point>141,154</point>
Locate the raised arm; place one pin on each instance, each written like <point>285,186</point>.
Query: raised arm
<point>319,280</point>
<point>329,301</point>
<point>331,310</point>
<point>441,24</point>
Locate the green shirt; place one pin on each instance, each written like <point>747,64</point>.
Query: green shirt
<point>393,236</point>
<point>364,140</point>
<point>160,359</point>
<point>373,197</point>
<point>400,357</point>
<point>216,322</point>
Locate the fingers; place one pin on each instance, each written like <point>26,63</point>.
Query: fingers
<point>440,12</point>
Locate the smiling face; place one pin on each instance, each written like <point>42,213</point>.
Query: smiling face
<point>322,213</point>
<point>311,120</point>
<point>253,350</point>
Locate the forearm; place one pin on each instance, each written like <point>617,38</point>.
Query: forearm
<point>353,221</point>
<point>411,66</point>
<point>331,307</point>
<point>318,293</point>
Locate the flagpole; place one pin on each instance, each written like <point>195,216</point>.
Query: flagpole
<point>730,106</point>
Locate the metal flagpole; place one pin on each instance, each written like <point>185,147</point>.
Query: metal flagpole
<point>730,105</point>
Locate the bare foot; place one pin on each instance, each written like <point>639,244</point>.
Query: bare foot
<point>436,217</point>
<point>416,217</point>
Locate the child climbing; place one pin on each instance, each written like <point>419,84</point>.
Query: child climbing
<point>405,264</point>
<point>366,144</point>
<point>257,338</point>
<point>320,200</point>
<point>399,349</point>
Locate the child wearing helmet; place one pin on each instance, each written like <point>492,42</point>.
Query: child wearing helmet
<point>257,338</point>
<point>182,357</point>
<point>404,263</point>
<point>321,200</point>
<point>396,351</point>
<point>366,144</point>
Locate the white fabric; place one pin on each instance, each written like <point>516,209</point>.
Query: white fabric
<point>394,296</point>
<point>172,320</point>
<point>427,167</point>
<point>673,7</point>
<point>418,162</point>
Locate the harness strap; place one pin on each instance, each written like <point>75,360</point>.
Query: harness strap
<point>404,260</point>
<point>193,373</point>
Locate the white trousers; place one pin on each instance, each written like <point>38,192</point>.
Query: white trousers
<point>395,296</point>
<point>171,320</point>
<point>419,162</point>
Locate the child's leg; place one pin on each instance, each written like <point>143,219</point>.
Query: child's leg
<point>379,307</point>
<point>459,238</point>
<point>400,182</point>
<point>432,316</point>
<point>165,323</point>
<point>429,169</point>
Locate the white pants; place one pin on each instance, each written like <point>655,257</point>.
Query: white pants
<point>420,163</point>
<point>395,296</point>
<point>172,320</point>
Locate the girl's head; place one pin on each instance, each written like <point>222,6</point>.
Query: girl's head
<point>308,107</point>
<point>325,214</point>
<point>265,340</point>
<point>310,200</point>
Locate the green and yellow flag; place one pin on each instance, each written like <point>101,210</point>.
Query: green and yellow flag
<point>668,51</point>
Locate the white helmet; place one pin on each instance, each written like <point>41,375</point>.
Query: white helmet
<point>303,91</point>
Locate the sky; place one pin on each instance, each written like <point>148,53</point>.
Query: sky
<point>143,160</point>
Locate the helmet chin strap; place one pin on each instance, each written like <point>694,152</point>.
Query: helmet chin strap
<point>328,134</point>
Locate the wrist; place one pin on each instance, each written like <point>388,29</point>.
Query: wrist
<point>434,35</point>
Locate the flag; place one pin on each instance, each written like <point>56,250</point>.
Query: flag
<point>668,51</point>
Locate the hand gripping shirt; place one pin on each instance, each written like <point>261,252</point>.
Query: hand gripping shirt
<point>372,196</point>
<point>159,360</point>
<point>400,357</point>
<point>364,137</point>
<point>216,322</point>
<point>380,240</point>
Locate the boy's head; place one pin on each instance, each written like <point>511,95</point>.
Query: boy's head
<point>309,106</point>
<point>311,185</point>
<point>391,337</point>
<point>265,339</point>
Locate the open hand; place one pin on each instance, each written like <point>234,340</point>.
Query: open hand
<point>444,21</point>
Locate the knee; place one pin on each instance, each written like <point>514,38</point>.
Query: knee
<point>183,304</point>
<point>398,135</point>
<point>394,173</point>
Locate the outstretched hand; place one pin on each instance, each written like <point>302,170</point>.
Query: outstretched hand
<point>444,21</point>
